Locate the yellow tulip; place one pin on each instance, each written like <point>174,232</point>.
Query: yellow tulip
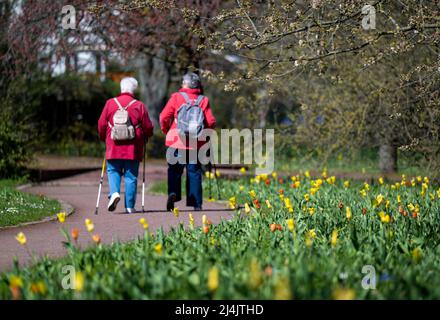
<point>290,224</point>
<point>384,218</point>
<point>144,223</point>
<point>255,274</point>
<point>282,289</point>
<point>213,279</point>
<point>417,254</point>
<point>269,206</point>
<point>21,238</point>
<point>243,170</point>
<point>191,220</point>
<point>378,200</point>
<point>247,209</point>
<point>39,288</point>
<point>241,188</point>
<point>204,220</point>
<point>176,212</point>
<point>232,202</point>
<point>15,282</point>
<point>61,217</point>
<point>158,248</point>
<point>346,184</point>
<point>381,180</point>
<point>78,281</point>
<point>89,225</point>
<point>311,233</point>
<point>252,193</point>
<point>334,238</point>
<point>307,174</point>
<point>348,213</point>
<point>343,294</point>
<point>307,197</point>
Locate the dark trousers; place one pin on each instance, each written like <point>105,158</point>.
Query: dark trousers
<point>194,194</point>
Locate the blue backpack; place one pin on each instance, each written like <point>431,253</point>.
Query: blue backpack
<point>190,117</point>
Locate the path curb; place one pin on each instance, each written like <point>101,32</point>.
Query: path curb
<point>65,207</point>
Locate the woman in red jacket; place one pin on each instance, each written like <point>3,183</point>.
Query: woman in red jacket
<point>191,90</point>
<point>123,157</point>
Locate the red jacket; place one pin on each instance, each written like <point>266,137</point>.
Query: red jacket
<point>129,150</point>
<point>169,114</point>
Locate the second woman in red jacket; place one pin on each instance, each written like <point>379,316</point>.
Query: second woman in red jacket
<point>191,88</point>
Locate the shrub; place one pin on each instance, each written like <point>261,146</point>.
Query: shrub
<point>15,143</point>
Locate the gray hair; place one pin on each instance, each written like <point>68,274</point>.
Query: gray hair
<point>191,80</point>
<point>129,84</point>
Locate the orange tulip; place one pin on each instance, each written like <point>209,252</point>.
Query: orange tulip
<point>206,229</point>
<point>74,233</point>
<point>15,293</point>
<point>96,238</point>
<point>268,271</point>
<point>273,227</point>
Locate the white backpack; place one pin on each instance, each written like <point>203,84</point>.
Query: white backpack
<point>122,128</point>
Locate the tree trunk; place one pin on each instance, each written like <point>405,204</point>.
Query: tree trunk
<point>388,158</point>
<point>154,79</point>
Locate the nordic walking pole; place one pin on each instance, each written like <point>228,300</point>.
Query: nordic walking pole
<point>143,179</point>
<point>100,186</point>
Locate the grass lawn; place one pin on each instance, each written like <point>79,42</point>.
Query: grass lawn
<point>161,187</point>
<point>18,207</point>
<point>364,161</point>
<point>311,239</point>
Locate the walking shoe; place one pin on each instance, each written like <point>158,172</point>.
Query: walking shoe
<point>197,208</point>
<point>114,199</point>
<point>130,210</point>
<point>170,202</point>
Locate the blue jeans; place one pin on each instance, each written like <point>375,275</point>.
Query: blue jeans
<point>130,169</point>
<point>194,196</point>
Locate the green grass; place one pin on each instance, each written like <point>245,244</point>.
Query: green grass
<point>161,187</point>
<point>18,207</point>
<point>244,259</point>
<point>360,161</point>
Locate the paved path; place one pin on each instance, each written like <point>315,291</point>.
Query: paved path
<point>80,191</point>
